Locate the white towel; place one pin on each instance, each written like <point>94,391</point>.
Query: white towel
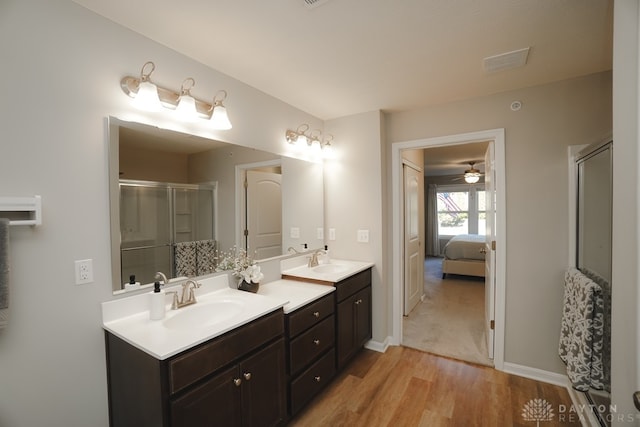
<point>4,272</point>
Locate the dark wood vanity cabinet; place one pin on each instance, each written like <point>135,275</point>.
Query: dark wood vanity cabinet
<point>311,354</point>
<point>353,316</point>
<point>237,379</point>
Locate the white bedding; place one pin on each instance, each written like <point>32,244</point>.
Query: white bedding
<point>465,246</point>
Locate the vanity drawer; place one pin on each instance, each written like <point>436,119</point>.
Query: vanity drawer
<point>309,315</point>
<point>192,365</point>
<point>310,344</point>
<point>353,284</point>
<point>311,381</point>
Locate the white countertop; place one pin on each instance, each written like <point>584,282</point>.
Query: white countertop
<point>297,293</point>
<point>344,269</point>
<point>128,318</point>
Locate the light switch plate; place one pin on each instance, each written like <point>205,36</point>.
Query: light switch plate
<point>295,233</point>
<point>320,233</point>
<point>332,234</point>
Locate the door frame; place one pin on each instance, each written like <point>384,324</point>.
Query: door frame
<point>397,271</point>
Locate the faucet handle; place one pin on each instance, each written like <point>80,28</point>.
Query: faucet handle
<point>174,302</point>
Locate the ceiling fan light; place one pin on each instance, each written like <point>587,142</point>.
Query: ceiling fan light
<point>471,178</point>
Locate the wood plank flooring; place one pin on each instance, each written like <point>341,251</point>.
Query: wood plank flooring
<point>407,387</point>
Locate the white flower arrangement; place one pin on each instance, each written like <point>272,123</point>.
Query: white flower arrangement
<point>241,263</point>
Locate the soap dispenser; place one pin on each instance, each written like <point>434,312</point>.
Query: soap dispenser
<point>132,283</point>
<point>325,256</point>
<point>157,304</point>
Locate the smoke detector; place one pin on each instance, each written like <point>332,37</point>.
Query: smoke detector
<point>314,3</point>
<point>506,61</point>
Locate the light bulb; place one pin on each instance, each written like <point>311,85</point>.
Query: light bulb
<point>220,118</point>
<point>147,97</point>
<point>186,108</point>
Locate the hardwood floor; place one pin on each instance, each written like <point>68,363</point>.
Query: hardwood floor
<point>407,387</point>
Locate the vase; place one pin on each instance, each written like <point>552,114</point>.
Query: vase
<point>248,286</point>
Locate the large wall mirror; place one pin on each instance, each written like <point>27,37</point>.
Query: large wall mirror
<point>176,199</point>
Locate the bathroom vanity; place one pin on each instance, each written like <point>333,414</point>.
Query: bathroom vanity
<point>238,358</point>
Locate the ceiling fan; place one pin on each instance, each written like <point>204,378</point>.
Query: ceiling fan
<point>471,175</point>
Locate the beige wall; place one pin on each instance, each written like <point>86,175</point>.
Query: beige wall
<point>554,116</point>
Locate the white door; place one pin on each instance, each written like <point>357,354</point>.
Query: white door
<point>413,260</point>
<point>264,214</point>
<point>490,248</point>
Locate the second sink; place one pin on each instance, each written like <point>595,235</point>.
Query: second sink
<point>329,268</point>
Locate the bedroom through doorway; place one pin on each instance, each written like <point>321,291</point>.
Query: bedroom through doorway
<point>450,318</point>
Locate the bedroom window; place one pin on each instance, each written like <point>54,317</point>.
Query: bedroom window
<point>461,210</point>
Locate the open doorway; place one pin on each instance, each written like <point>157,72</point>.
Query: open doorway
<point>495,293</point>
<point>450,318</point>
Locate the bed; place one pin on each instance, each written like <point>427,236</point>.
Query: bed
<point>464,254</point>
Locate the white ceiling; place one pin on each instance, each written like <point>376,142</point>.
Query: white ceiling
<point>352,56</point>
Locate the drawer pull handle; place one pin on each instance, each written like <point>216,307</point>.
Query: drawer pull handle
<point>317,378</point>
<point>316,341</point>
<point>247,376</point>
<point>316,314</point>
<point>237,382</point>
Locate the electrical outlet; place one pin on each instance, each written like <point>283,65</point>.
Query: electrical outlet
<point>332,234</point>
<point>363,236</point>
<point>84,271</point>
<point>320,233</point>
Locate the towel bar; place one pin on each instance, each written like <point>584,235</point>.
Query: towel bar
<point>22,210</point>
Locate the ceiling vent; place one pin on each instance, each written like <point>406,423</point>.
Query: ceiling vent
<point>506,61</point>
<point>314,3</point>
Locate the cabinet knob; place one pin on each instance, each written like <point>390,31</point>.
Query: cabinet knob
<point>237,382</point>
<point>317,378</point>
<point>316,341</point>
<point>359,301</point>
<point>316,314</point>
<point>247,376</point>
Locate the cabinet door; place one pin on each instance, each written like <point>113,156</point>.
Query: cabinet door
<point>263,387</point>
<point>363,316</point>
<point>345,331</point>
<point>353,325</point>
<point>215,403</point>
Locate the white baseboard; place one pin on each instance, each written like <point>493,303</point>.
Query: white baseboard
<point>378,346</point>
<point>536,374</point>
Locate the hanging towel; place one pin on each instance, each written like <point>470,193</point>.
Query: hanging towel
<point>205,253</point>
<point>185,259</point>
<point>581,334</point>
<point>605,286</point>
<point>4,272</point>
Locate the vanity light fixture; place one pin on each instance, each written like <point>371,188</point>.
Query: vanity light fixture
<point>151,97</point>
<point>304,139</point>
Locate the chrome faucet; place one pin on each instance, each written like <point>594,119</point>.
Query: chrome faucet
<point>160,276</point>
<point>313,259</point>
<point>188,296</point>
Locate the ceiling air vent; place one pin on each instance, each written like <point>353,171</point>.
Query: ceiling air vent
<point>314,3</point>
<point>506,61</point>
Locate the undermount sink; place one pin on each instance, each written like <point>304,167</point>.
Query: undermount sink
<point>329,268</point>
<point>204,315</point>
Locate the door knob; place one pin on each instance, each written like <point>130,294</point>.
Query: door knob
<point>636,400</point>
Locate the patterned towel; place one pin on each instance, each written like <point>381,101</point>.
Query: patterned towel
<point>4,272</point>
<point>606,333</point>
<point>581,334</point>
<point>185,259</point>
<point>205,252</point>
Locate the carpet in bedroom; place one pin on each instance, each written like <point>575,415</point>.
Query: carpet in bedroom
<point>450,320</point>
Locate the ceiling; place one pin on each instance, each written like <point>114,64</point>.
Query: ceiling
<point>346,57</point>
